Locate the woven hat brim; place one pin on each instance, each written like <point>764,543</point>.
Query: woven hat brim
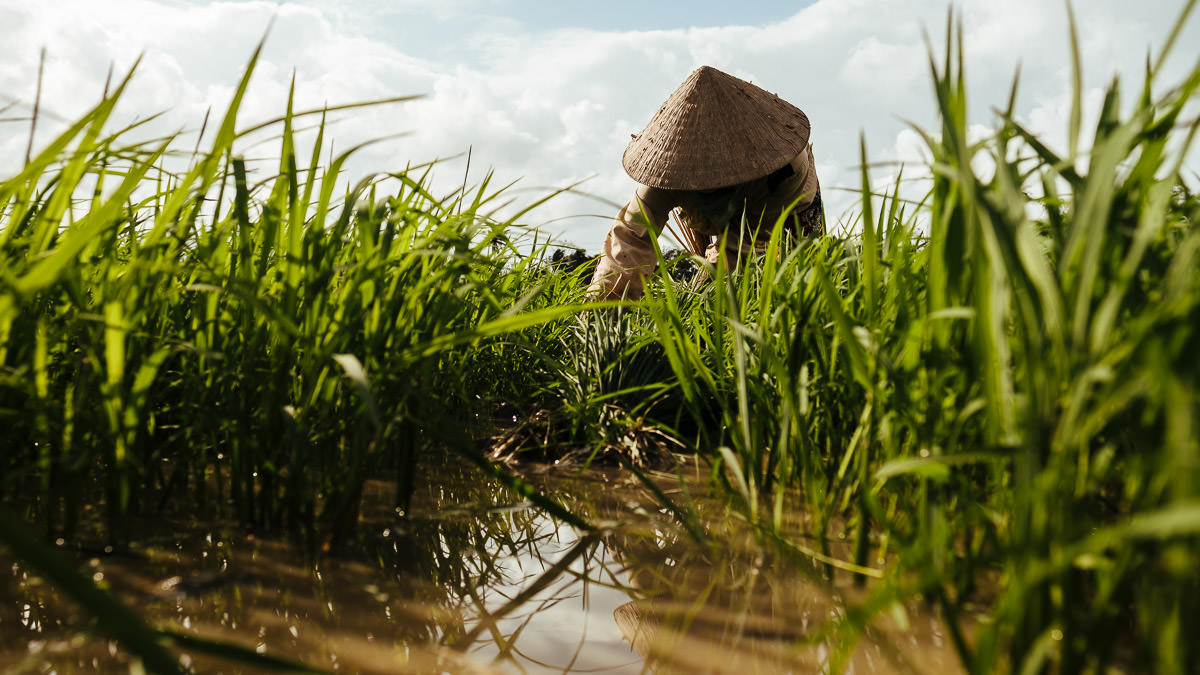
<point>716,130</point>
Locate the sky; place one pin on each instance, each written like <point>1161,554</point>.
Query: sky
<point>546,94</point>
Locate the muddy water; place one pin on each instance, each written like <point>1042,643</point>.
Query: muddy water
<point>475,581</point>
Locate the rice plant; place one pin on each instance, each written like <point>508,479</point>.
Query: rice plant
<point>990,392</point>
<point>212,338</point>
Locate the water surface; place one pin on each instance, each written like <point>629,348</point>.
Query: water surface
<point>475,580</point>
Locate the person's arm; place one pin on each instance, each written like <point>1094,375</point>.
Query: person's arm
<point>628,254</point>
<point>810,211</point>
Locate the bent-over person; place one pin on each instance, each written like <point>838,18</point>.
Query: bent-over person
<point>732,158</point>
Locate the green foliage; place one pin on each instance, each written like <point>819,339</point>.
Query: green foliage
<point>991,393</point>
<point>996,381</point>
<point>198,338</point>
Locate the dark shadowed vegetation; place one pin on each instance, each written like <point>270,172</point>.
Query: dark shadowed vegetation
<point>983,403</point>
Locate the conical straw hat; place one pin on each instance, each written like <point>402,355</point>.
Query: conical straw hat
<point>715,131</point>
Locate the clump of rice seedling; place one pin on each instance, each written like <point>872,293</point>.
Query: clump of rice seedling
<point>210,340</point>
<point>600,401</point>
<point>988,392</point>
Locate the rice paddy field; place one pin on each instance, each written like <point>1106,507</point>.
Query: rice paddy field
<point>257,421</point>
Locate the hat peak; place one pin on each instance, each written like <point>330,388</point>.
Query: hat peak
<point>715,130</point>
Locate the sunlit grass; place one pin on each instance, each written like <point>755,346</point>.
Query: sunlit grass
<point>991,394</point>
<point>999,382</point>
<point>214,344</point>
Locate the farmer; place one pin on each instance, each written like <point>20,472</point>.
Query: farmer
<point>732,158</point>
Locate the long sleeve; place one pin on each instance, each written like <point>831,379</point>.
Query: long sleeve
<point>628,255</point>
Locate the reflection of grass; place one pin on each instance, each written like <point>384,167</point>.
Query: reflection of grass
<point>1012,392</point>
<point>406,584</point>
<point>997,382</point>
<point>214,343</point>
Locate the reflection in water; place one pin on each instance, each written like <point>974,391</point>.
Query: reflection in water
<point>731,610</point>
<point>471,582</point>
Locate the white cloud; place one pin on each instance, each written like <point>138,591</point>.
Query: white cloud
<point>557,106</point>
